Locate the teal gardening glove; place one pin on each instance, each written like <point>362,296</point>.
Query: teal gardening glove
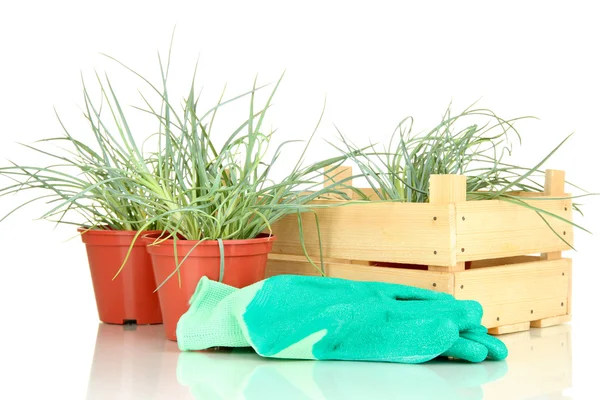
<point>304,317</point>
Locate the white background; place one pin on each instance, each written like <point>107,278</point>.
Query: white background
<point>376,61</point>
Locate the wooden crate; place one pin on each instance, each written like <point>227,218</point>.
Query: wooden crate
<point>503,255</point>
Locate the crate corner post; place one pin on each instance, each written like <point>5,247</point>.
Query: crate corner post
<point>448,190</point>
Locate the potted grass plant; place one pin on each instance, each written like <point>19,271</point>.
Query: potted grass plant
<point>198,210</point>
<point>88,183</point>
<point>215,204</point>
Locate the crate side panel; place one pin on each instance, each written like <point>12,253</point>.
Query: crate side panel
<point>437,281</point>
<point>493,229</point>
<point>284,267</point>
<point>392,232</point>
<point>510,293</point>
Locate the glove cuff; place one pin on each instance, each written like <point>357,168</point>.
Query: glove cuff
<point>209,321</point>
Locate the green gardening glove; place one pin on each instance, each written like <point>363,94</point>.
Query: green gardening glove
<point>301,317</point>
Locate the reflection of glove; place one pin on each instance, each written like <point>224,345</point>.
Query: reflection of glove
<point>305,317</point>
<point>217,375</point>
<point>416,382</point>
<point>244,376</point>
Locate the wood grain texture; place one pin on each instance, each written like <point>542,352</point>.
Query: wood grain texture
<point>437,281</point>
<point>526,194</point>
<point>517,293</point>
<point>570,297</point>
<point>495,262</point>
<point>448,189</point>
<point>553,255</point>
<point>554,185</point>
<point>444,189</point>
<point>374,231</point>
<point>494,229</point>
<point>504,329</point>
<point>546,322</point>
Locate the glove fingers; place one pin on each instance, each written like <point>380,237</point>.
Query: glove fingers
<point>496,348</point>
<point>466,314</point>
<point>410,342</point>
<point>467,350</point>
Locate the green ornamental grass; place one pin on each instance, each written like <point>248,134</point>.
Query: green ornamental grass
<point>185,186</point>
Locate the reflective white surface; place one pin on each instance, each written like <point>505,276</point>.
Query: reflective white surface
<point>136,362</point>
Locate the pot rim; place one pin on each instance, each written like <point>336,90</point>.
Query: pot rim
<point>261,238</point>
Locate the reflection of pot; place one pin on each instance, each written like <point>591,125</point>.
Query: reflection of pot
<point>133,362</point>
<point>245,375</point>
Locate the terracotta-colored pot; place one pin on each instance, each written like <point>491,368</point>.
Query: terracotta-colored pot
<point>245,264</point>
<point>130,296</point>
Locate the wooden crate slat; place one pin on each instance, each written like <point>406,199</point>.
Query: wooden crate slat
<point>438,281</point>
<point>518,312</point>
<point>495,228</point>
<point>503,261</point>
<point>378,231</point>
<point>511,292</point>
<point>504,329</point>
<point>294,267</point>
<point>546,322</point>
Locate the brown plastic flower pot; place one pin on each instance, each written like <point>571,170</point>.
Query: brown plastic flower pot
<point>245,264</point>
<point>130,296</point>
